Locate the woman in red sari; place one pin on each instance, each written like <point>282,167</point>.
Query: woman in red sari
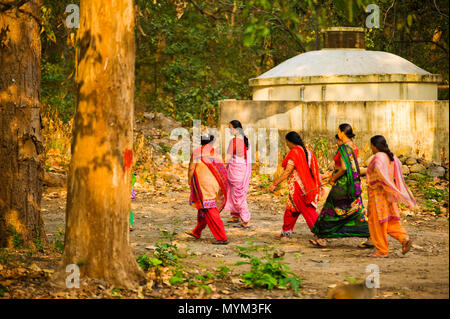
<point>209,185</point>
<point>302,174</point>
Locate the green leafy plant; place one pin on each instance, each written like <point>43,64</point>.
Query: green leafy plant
<point>147,262</point>
<point>37,240</point>
<point>267,271</point>
<point>3,289</point>
<point>321,149</point>
<point>166,251</point>
<point>58,244</point>
<point>352,280</point>
<point>265,180</point>
<point>5,256</point>
<point>17,240</point>
<point>223,272</point>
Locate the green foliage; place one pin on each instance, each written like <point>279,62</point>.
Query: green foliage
<point>223,272</point>
<point>17,240</point>
<point>352,280</point>
<point>37,240</point>
<point>436,193</point>
<point>147,262</point>
<point>166,251</point>
<point>58,244</point>
<point>190,57</point>
<point>3,289</point>
<point>164,148</point>
<point>321,149</point>
<point>5,256</point>
<point>265,180</point>
<point>267,271</point>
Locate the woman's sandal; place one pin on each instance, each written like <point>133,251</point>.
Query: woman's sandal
<point>219,242</point>
<point>191,234</point>
<point>241,226</point>
<point>316,243</point>
<point>233,220</point>
<point>377,255</point>
<point>365,245</point>
<point>406,245</point>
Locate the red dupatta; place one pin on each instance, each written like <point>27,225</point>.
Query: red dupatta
<point>311,183</point>
<point>209,157</point>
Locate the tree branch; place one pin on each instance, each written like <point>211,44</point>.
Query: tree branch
<point>203,12</point>
<point>425,41</point>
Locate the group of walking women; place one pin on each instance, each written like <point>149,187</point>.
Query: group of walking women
<point>216,186</point>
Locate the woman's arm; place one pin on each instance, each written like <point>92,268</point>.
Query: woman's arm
<point>340,171</point>
<point>191,170</point>
<point>285,175</point>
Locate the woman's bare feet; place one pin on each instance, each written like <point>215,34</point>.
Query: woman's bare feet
<point>320,242</point>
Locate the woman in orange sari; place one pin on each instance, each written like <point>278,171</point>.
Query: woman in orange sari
<point>302,174</point>
<point>386,188</point>
<point>209,185</point>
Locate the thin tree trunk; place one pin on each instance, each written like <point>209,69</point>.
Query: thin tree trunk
<point>99,190</point>
<point>21,148</point>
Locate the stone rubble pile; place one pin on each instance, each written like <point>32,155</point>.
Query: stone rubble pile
<point>415,168</point>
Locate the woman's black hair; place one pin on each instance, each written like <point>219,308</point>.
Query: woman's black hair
<point>347,130</point>
<point>206,139</point>
<point>380,143</point>
<point>238,126</point>
<point>337,137</point>
<point>295,138</point>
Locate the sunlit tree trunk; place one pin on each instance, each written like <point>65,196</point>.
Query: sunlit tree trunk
<point>21,149</point>
<point>98,200</point>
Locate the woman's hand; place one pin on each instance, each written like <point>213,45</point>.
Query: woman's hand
<point>272,187</point>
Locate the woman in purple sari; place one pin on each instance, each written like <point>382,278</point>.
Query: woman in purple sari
<point>239,168</point>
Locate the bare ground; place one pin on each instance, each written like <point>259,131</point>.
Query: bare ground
<point>422,273</point>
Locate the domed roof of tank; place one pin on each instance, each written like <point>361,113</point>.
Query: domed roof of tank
<point>335,62</point>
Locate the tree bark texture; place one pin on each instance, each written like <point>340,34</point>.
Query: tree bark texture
<point>21,148</point>
<point>99,188</point>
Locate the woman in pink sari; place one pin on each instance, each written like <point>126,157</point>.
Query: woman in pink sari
<point>239,168</point>
<point>386,188</point>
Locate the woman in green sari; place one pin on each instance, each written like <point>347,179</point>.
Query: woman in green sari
<point>343,214</point>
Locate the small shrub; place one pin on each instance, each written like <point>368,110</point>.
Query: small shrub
<point>267,271</point>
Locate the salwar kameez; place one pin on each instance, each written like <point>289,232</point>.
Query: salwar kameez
<point>209,188</point>
<point>386,188</point>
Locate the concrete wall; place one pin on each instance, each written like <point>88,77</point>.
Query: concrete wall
<point>348,92</point>
<point>410,127</point>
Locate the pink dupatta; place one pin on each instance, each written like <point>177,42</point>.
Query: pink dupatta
<point>378,175</point>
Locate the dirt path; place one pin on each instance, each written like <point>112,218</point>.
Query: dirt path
<point>422,273</point>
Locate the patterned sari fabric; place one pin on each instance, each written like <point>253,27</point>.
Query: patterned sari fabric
<point>343,214</point>
<point>304,189</point>
<point>209,185</point>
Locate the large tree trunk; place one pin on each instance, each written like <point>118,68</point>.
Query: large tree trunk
<point>21,149</point>
<point>99,189</point>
